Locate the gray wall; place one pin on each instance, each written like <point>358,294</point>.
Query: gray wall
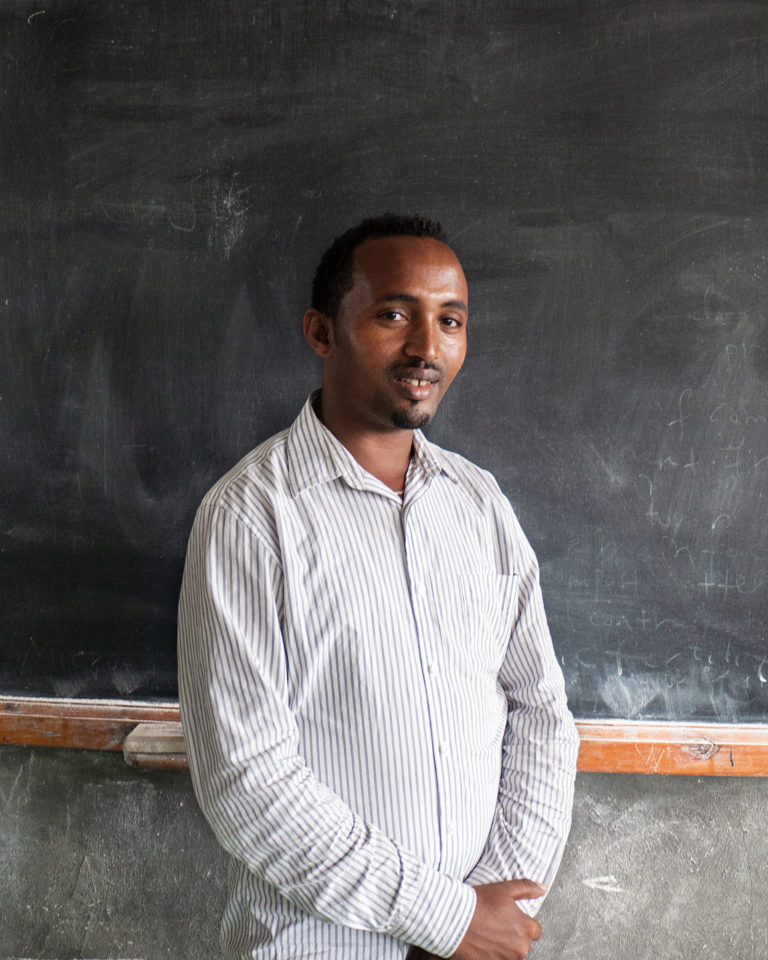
<point>100,860</point>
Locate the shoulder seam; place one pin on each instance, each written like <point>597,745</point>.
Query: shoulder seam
<point>241,519</point>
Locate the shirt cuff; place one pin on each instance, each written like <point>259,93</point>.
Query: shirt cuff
<point>433,910</point>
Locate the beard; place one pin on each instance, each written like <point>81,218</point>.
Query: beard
<point>411,419</point>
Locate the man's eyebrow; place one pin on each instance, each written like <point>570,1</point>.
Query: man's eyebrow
<point>409,298</point>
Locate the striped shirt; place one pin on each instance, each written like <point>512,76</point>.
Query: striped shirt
<point>375,717</point>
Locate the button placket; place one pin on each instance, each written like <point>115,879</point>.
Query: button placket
<point>428,634</point>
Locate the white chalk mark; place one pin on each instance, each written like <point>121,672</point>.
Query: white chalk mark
<point>681,418</point>
<point>184,228</point>
<point>724,518</point>
<point>37,13</point>
<point>614,477</point>
<point>653,759</point>
<point>229,216</point>
<point>608,884</point>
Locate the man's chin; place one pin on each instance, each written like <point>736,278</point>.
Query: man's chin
<point>413,419</point>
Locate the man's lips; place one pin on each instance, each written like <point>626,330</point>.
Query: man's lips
<point>416,383</point>
<point>418,374</point>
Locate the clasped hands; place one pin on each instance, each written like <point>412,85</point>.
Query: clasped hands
<point>499,929</point>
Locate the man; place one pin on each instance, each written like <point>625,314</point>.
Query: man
<point>376,721</point>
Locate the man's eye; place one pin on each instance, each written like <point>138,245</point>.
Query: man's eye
<point>391,315</point>
<point>451,322</point>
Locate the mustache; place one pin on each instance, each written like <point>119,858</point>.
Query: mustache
<point>412,370</point>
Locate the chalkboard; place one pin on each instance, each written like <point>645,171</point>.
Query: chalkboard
<point>172,171</point>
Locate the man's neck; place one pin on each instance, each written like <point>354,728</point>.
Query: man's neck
<point>385,454</point>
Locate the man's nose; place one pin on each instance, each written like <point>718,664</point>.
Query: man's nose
<point>422,339</point>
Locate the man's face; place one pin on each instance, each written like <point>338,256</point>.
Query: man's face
<point>399,337</point>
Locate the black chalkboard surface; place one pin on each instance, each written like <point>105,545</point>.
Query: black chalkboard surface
<point>171,171</point>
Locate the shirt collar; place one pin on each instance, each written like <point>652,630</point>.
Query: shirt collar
<point>315,456</point>
<point>430,459</point>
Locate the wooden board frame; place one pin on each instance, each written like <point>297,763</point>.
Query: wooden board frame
<point>86,724</point>
<point>699,749</point>
<point>607,746</point>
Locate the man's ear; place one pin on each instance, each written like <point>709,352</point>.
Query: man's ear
<point>319,332</point>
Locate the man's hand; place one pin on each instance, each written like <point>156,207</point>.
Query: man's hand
<point>499,930</point>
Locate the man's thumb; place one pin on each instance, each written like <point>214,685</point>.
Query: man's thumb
<point>526,889</point>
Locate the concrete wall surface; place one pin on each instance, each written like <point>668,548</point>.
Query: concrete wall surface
<point>98,860</point>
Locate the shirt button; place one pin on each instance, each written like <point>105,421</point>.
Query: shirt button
<point>433,667</point>
<point>445,748</point>
<point>450,828</point>
<point>421,590</point>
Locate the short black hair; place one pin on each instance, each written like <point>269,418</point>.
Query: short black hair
<point>333,277</point>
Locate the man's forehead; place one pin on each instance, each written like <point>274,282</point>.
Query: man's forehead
<point>377,258</point>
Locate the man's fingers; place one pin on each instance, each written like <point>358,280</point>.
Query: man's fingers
<point>526,889</point>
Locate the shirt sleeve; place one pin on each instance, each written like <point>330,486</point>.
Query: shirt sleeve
<point>264,804</point>
<point>540,746</point>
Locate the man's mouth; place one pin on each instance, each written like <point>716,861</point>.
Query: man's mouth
<point>418,376</point>
<point>416,384</point>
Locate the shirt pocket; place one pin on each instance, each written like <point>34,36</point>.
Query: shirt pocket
<point>476,614</point>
